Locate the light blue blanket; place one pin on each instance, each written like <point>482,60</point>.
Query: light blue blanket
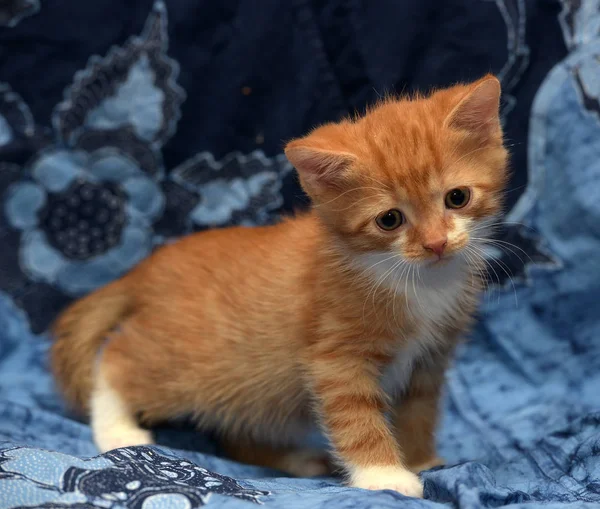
<point>521,423</point>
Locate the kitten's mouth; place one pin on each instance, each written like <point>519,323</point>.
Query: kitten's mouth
<point>439,262</point>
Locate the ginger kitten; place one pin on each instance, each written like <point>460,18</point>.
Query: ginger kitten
<point>345,316</point>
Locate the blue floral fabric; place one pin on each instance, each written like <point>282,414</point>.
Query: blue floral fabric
<point>84,217</point>
<point>126,125</point>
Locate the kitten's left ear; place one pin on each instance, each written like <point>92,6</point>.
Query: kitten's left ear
<point>478,112</point>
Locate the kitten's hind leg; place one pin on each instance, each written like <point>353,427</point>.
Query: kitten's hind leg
<point>305,463</point>
<point>298,462</point>
<point>113,423</point>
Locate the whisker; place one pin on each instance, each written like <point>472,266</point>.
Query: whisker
<point>361,188</point>
<point>419,303</point>
<point>386,275</point>
<point>365,271</point>
<point>364,198</point>
<point>472,259</point>
<point>396,298</point>
<point>506,270</point>
<point>381,261</point>
<point>483,147</point>
<point>377,181</point>
<point>472,265</point>
<point>503,244</point>
<point>406,295</point>
<point>503,223</point>
<point>380,281</point>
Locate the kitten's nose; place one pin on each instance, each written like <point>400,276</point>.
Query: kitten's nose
<point>436,246</point>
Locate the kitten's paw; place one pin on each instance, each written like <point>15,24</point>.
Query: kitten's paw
<point>107,440</point>
<point>398,479</point>
<point>305,463</point>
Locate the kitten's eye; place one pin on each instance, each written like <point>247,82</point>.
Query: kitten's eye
<point>458,198</point>
<point>390,220</point>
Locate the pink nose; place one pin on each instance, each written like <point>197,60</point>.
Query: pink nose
<point>437,246</point>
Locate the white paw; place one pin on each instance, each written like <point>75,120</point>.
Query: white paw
<point>115,438</point>
<point>305,463</point>
<point>398,479</point>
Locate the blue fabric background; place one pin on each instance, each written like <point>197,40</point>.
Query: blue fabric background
<point>124,125</point>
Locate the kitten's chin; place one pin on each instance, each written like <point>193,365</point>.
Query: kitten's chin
<point>439,262</point>
<point>434,262</point>
<point>446,265</point>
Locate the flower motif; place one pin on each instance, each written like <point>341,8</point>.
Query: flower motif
<point>240,189</point>
<point>133,477</point>
<point>91,204</point>
<point>85,216</point>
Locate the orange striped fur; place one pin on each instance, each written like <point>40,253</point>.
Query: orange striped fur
<point>325,318</point>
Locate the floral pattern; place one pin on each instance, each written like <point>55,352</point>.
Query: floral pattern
<point>238,190</point>
<point>112,157</point>
<point>85,201</point>
<point>135,478</point>
<point>93,198</point>
<point>85,217</point>
<point>133,86</point>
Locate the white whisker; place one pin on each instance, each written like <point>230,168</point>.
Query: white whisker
<point>373,291</point>
<point>502,243</point>
<point>503,266</point>
<point>345,193</point>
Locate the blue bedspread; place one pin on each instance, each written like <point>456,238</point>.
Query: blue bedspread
<point>120,131</point>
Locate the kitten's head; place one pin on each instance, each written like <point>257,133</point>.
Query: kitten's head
<point>419,177</point>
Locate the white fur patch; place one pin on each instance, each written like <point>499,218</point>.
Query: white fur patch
<point>397,375</point>
<point>113,425</point>
<point>434,299</point>
<point>431,293</point>
<point>397,478</point>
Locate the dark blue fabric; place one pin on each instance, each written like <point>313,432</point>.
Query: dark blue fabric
<point>124,125</point>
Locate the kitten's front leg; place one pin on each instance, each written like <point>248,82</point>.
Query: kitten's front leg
<point>352,407</point>
<point>416,414</point>
<point>416,418</point>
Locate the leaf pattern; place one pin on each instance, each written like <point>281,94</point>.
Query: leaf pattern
<point>133,86</point>
<point>87,208</point>
<point>135,478</point>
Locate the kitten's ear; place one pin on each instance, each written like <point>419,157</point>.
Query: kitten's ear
<point>317,163</point>
<point>479,111</point>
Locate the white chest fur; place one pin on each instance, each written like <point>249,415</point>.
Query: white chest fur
<point>396,377</point>
<point>432,297</point>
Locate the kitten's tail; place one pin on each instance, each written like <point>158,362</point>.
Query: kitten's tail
<point>80,331</point>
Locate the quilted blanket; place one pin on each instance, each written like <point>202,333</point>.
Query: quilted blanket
<point>124,125</point>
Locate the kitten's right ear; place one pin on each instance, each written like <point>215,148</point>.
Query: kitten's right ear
<point>316,163</point>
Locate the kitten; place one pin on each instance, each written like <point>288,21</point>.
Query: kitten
<point>345,316</point>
